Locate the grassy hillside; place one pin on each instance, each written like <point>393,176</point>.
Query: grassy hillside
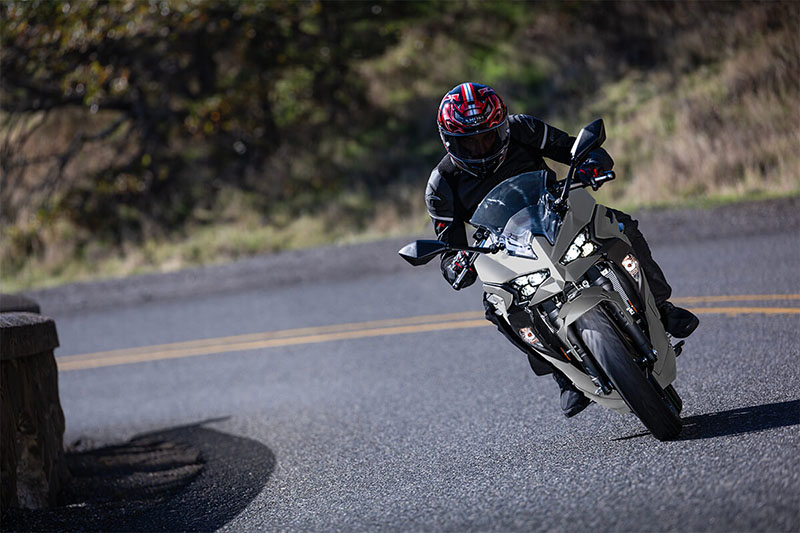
<point>701,103</point>
<point>726,128</point>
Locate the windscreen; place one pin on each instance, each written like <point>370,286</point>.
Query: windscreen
<point>518,205</point>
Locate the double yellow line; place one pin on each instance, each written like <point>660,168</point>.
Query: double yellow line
<point>735,298</point>
<point>690,300</point>
<point>274,339</point>
<point>360,330</point>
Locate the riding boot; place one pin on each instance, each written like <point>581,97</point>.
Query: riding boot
<point>572,400</point>
<point>678,322</point>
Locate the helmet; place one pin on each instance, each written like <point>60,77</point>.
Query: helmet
<point>473,124</point>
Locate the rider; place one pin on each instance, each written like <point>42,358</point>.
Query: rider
<point>486,146</point>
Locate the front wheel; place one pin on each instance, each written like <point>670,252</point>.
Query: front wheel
<point>644,397</point>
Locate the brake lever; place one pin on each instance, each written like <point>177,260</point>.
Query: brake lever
<point>473,256</point>
<point>460,279</point>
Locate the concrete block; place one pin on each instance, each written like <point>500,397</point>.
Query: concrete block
<point>32,464</point>
<point>15,303</point>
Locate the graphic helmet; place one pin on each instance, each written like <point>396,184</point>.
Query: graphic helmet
<point>473,125</point>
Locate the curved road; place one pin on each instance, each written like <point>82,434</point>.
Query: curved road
<point>339,389</point>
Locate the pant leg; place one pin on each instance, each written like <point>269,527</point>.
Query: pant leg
<point>538,364</point>
<point>655,277</point>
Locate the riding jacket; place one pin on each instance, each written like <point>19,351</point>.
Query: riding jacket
<point>453,194</point>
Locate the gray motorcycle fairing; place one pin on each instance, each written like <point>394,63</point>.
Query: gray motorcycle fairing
<point>497,269</point>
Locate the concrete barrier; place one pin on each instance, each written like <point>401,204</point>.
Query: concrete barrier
<point>32,464</point>
<point>14,303</point>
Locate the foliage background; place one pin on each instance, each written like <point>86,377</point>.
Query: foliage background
<point>139,135</point>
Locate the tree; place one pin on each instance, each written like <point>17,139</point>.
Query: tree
<point>184,97</point>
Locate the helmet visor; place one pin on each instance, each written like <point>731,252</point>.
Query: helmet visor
<point>477,146</point>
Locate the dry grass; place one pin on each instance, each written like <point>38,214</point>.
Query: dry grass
<point>728,129</point>
<point>352,219</point>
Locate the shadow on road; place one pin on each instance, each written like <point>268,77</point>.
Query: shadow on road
<point>743,420</point>
<point>736,421</point>
<point>189,478</point>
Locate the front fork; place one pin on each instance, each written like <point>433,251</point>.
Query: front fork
<point>612,305</point>
<point>580,356</point>
<point>589,366</point>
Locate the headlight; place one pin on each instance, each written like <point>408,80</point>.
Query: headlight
<point>582,246</point>
<point>526,285</point>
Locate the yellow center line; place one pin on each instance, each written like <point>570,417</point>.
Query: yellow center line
<point>735,298</point>
<point>68,363</point>
<point>745,310</point>
<point>358,330</point>
<point>269,335</point>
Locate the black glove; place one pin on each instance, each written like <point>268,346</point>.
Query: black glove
<point>453,266</point>
<point>588,172</point>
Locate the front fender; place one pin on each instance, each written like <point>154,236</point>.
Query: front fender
<point>664,370</point>
<point>587,299</point>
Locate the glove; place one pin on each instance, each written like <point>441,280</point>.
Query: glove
<point>454,265</point>
<point>587,172</point>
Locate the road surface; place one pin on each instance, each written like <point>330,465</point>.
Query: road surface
<point>340,389</point>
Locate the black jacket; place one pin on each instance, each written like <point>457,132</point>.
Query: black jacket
<point>453,195</point>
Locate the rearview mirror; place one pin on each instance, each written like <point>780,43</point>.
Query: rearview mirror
<point>590,137</point>
<point>421,252</point>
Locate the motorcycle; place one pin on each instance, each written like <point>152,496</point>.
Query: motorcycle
<point>558,270</point>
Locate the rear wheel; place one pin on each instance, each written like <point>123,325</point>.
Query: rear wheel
<point>643,395</point>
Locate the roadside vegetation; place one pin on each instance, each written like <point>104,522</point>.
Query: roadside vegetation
<point>139,136</point>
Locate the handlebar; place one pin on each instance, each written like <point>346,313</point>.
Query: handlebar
<point>474,252</point>
<point>598,181</point>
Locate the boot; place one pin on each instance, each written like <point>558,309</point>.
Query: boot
<point>678,322</point>
<point>572,400</point>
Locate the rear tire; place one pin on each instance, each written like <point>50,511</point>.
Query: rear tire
<point>646,399</point>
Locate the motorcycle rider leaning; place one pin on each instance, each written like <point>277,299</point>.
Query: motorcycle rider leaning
<point>485,146</point>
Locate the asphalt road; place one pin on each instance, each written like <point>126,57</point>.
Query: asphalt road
<point>372,419</point>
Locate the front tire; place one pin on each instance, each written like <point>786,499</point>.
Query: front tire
<point>645,398</point>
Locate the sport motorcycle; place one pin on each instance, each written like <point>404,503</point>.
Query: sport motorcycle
<point>557,268</point>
